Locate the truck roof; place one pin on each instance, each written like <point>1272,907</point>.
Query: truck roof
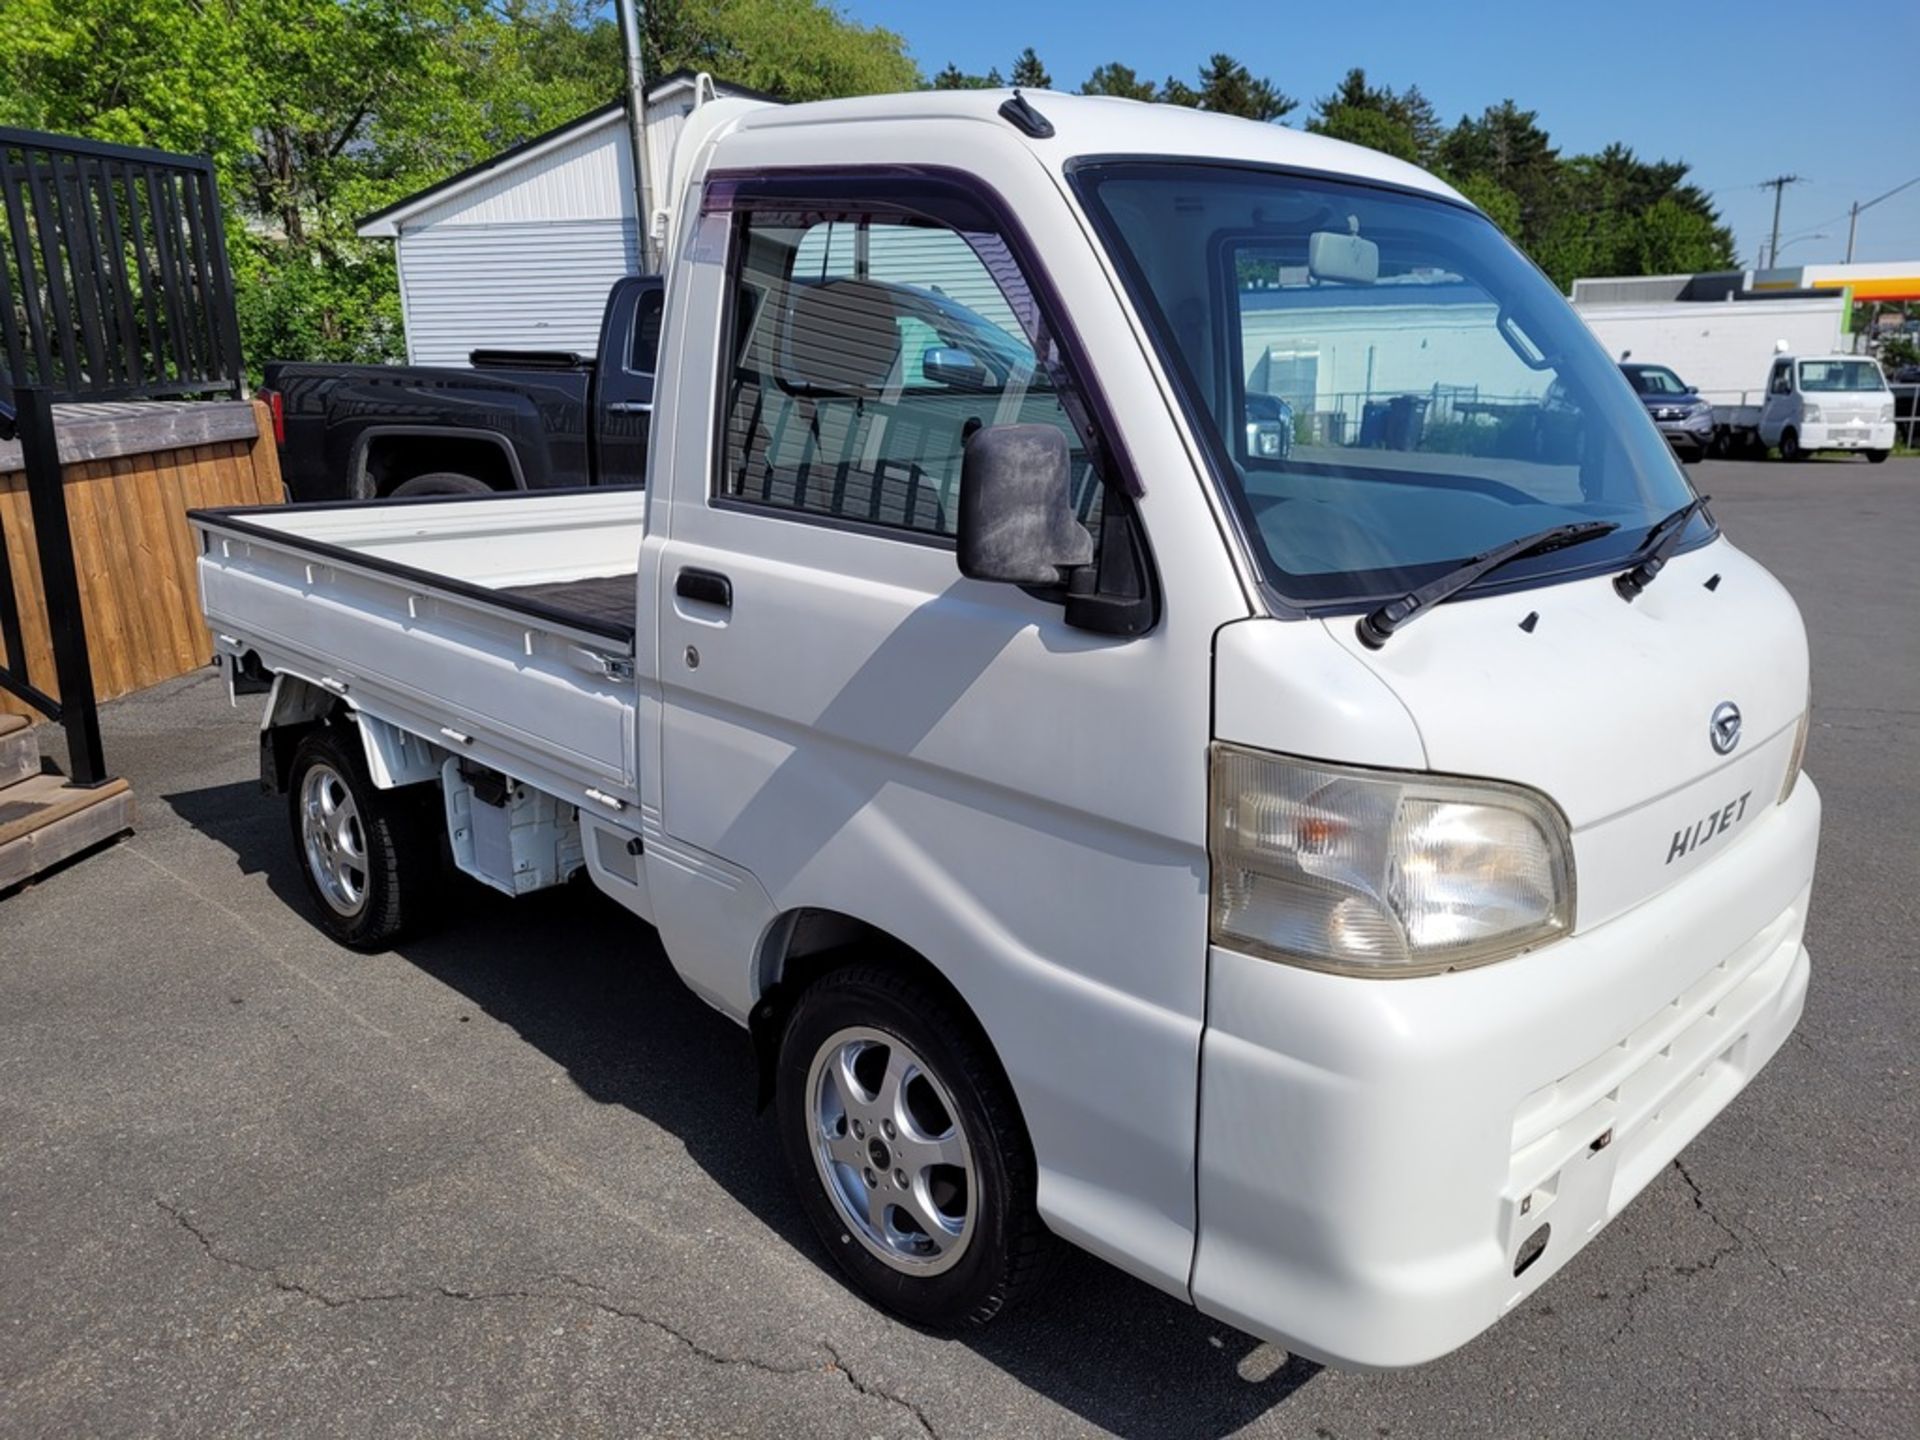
<point>1105,125</point>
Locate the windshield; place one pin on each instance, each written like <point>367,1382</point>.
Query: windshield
<point>1829,375</point>
<point>1445,398</point>
<point>1656,380</point>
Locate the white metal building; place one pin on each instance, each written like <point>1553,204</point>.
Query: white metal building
<point>519,252</point>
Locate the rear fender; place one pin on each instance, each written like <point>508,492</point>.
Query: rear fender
<point>395,757</point>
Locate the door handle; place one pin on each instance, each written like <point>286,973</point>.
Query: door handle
<point>707,587</point>
<point>630,407</point>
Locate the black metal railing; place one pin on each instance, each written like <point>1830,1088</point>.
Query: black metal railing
<point>114,285</point>
<point>114,282</point>
<point>28,417</point>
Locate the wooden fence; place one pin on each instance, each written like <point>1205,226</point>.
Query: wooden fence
<point>139,594</point>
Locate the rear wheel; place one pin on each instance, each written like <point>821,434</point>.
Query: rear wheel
<point>443,482</point>
<point>907,1149</point>
<point>369,856</point>
<point>1790,445</point>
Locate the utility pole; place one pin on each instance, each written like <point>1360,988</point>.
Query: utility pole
<point>1853,222</point>
<point>632,39</point>
<point>1778,185</point>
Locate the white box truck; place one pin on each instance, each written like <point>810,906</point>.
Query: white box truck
<point>1721,348</point>
<point>1329,885</point>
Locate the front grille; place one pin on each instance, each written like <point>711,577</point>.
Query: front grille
<point>1654,1074</point>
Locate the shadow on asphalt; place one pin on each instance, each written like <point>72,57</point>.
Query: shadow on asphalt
<point>589,986</point>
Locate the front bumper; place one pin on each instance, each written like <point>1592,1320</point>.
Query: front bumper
<point>1820,435</point>
<point>1374,1154</point>
<point>1694,433</point>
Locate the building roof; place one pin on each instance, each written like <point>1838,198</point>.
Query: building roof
<point>385,223</point>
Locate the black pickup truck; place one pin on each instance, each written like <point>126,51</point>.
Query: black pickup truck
<point>518,420</point>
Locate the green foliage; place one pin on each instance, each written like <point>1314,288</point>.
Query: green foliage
<point>1498,203</point>
<point>1228,88</point>
<point>792,49</point>
<point>1403,125</point>
<point>1605,214</point>
<point>1029,73</point>
<point>318,111</point>
<point>1898,350</point>
<point>954,78</point>
<point>1119,80</point>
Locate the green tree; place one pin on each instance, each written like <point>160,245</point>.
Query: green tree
<point>1508,147</point>
<point>1227,87</point>
<point>1401,124</point>
<point>1029,73</point>
<point>954,78</point>
<point>792,49</point>
<point>1120,80</point>
<point>318,111</point>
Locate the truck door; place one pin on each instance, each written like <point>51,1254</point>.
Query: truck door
<point>1778,410</point>
<point>865,731</point>
<point>624,380</point>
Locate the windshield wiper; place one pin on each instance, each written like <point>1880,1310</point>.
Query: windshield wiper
<point>1647,561</point>
<point>1374,628</point>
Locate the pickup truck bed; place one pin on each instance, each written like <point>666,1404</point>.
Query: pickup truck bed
<point>608,599</point>
<point>499,626</point>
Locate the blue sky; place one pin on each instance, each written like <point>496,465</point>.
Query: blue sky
<point>1824,90</point>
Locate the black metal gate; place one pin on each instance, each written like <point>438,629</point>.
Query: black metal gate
<point>114,285</point>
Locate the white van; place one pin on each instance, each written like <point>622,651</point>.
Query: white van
<point>1328,880</point>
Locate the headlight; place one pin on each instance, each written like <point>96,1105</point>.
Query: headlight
<point>1810,411</point>
<point>1886,414</point>
<point>1366,872</point>
<point>1702,407</point>
<point>1799,754</point>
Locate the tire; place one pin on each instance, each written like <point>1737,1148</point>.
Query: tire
<point>991,1247</point>
<point>441,482</point>
<point>1877,457</point>
<point>370,857</point>
<point>1790,445</point>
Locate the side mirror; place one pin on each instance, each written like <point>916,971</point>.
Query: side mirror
<point>1016,522</point>
<point>955,368</point>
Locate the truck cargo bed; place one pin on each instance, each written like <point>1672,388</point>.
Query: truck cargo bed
<point>499,627</point>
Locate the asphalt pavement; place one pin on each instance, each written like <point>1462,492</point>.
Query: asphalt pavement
<point>509,1180</point>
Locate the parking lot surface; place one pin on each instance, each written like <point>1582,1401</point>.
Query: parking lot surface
<point>509,1180</point>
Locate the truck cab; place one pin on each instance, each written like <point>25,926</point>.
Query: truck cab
<point>1827,402</point>
<point>1327,879</point>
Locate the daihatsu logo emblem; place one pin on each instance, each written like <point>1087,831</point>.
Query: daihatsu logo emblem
<point>1724,728</point>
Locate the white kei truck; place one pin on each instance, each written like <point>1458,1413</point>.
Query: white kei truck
<point>1327,885</point>
<point>1822,402</point>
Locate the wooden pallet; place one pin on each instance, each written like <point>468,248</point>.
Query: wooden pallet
<point>43,819</point>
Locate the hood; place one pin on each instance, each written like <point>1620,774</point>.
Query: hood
<point>1609,709</point>
<point>1605,707</point>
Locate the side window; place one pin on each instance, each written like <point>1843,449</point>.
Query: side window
<point>867,349</point>
<point>1783,380</point>
<point>646,333</point>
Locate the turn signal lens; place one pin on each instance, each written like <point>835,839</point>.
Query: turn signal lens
<point>1799,754</point>
<point>1375,873</point>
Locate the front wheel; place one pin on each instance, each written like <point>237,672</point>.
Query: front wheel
<point>1877,457</point>
<point>1790,446</point>
<point>908,1150</point>
<point>369,856</point>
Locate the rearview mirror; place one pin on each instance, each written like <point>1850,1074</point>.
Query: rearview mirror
<point>1343,259</point>
<point>1016,522</point>
<point>955,368</point>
